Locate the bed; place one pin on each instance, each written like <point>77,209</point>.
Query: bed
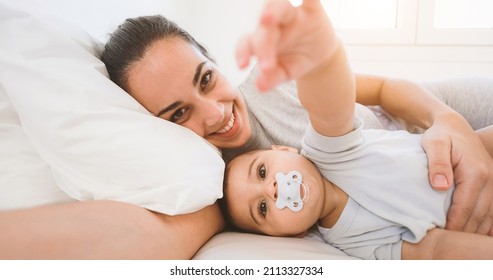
<point>67,133</point>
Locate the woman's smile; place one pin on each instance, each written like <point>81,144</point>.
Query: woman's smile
<point>228,125</point>
<point>230,129</point>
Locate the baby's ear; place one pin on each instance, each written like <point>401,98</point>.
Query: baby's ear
<point>284,148</point>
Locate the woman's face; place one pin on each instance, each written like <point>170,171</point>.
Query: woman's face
<point>174,81</point>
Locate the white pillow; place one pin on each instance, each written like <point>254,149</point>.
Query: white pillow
<point>25,179</point>
<point>249,246</point>
<point>99,142</point>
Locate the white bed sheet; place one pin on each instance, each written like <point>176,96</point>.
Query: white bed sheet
<point>248,246</point>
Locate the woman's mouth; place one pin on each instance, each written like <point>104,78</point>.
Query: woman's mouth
<point>228,126</point>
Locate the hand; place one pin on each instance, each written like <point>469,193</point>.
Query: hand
<point>289,42</point>
<point>455,151</point>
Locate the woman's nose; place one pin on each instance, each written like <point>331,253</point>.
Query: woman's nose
<point>214,113</point>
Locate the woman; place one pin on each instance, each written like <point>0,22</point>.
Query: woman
<point>217,112</point>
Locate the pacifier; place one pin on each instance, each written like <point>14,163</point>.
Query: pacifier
<point>288,190</point>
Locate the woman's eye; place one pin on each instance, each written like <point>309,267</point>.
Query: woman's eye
<point>178,115</point>
<point>262,171</point>
<point>206,79</point>
<point>262,208</point>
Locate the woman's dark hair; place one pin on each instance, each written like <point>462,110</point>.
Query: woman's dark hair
<point>130,41</point>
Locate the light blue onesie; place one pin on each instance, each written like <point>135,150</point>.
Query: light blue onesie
<point>386,177</point>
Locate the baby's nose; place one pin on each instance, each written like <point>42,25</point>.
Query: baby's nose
<point>272,190</point>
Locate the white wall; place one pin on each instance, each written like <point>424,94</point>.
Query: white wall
<point>422,63</point>
<point>218,24</point>
<point>99,17</point>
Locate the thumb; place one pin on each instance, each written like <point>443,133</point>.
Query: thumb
<point>440,179</point>
<point>440,170</point>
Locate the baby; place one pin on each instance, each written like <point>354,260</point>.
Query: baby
<point>366,190</point>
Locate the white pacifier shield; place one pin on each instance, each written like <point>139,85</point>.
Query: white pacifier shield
<point>288,190</point>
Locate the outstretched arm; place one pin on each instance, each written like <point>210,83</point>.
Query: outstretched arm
<point>454,151</point>
<point>441,244</point>
<point>328,94</point>
<point>104,230</point>
<point>300,43</point>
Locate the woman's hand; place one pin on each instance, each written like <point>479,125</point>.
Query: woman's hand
<point>288,42</point>
<point>455,153</point>
<point>454,150</point>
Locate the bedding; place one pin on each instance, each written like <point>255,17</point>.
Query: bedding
<point>25,179</point>
<point>249,246</point>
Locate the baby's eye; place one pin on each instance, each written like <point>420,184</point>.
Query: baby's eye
<point>261,171</point>
<point>179,115</point>
<point>262,208</point>
<point>206,79</point>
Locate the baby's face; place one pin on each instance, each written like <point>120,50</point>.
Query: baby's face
<point>252,191</point>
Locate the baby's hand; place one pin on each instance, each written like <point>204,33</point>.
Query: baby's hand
<point>289,42</point>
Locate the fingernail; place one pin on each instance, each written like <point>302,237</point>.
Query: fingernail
<point>440,180</point>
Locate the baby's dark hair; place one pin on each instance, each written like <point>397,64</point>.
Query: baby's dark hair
<point>224,205</point>
<point>224,202</point>
<point>130,41</point>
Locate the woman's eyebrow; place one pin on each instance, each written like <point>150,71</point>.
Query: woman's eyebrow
<point>197,73</point>
<point>169,108</point>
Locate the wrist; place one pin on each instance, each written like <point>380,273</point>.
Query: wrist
<point>448,118</point>
<point>327,65</point>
